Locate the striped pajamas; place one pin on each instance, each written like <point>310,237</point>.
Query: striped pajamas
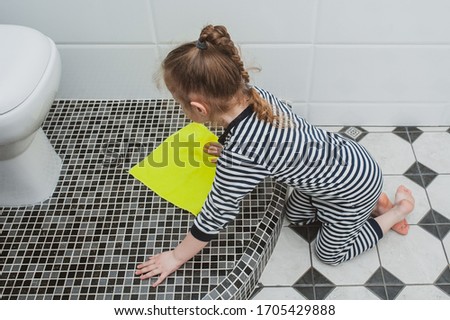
<point>334,180</point>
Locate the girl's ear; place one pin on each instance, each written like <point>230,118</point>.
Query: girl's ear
<point>199,108</point>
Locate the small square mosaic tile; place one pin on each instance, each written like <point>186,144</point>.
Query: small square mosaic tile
<point>87,239</point>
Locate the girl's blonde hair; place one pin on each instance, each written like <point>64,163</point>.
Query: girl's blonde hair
<point>211,68</point>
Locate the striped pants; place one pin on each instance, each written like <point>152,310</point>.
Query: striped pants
<point>346,230</point>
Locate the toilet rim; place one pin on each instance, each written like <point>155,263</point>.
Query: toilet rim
<point>27,117</point>
<point>22,72</point>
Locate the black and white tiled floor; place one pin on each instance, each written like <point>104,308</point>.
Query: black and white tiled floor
<point>85,242</point>
<point>87,239</point>
<point>415,266</point>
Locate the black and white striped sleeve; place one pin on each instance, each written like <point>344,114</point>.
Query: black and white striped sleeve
<point>236,176</point>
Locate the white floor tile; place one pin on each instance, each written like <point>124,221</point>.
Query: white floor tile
<point>330,128</point>
<point>438,191</point>
<point>433,129</point>
<point>432,149</point>
<point>426,292</point>
<point>289,260</point>
<point>446,243</point>
<point>417,258</point>
<point>379,129</point>
<point>282,293</point>
<point>393,154</point>
<point>351,293</point>
<point>353,272</point>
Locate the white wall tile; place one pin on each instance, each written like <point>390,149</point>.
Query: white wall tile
<point>379,114</point>
<point>368,62</point>
<point>83,21</point>
<point>284,69</point>
<point>302,109</point>
<point>251,21</point>
<point>381,74</point>
<point>108,72</point>
<point>384,21</point>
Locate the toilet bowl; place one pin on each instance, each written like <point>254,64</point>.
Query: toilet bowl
<point>30,69</point>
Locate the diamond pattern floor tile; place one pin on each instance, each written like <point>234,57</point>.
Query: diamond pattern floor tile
<point>307,232</point>
<point>314,285</point>
<point>384,284</point>
<point>420,174</point>
<point>443,281</point>
<point>409,134</point>
<point>436,224</point>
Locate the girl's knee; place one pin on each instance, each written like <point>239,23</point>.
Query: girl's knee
<point>300,220</point>
<point>300,216</point>
<point>332,259</point>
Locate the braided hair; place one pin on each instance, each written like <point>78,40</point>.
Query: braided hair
<point>212,68</point>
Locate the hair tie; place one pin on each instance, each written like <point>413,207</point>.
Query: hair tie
<point>201,45</point>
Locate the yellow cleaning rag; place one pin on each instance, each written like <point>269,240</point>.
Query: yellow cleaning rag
<point>178,170</point>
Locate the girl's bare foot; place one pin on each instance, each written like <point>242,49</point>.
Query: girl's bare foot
<point>395,216</point>
<point>404,200</point>
<point>383,206</point>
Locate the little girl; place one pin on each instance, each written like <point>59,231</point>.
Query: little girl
<point>334,180</point>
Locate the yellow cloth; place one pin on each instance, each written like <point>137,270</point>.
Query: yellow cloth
<point>178,170</point>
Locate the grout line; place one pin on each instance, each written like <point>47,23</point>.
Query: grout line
<point>256,44</point>
<point>155,36</point>
<point>311,68</point>
<point>418,168</point>
<point>375,102</point>
<point>428,198</point>
<point>107,44</point>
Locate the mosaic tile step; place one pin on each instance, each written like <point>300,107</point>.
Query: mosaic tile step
<point>87,239</point>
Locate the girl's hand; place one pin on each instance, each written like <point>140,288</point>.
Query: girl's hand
<point>162,264</point>
<point>213,149</point>
<point>169,261</point>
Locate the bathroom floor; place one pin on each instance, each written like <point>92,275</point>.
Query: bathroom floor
<point>85,242</point>
<point>415,266</point>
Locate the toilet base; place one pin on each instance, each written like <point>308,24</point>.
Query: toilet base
<point>31,177</point>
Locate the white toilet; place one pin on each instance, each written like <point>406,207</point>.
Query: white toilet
<point>30,69</point>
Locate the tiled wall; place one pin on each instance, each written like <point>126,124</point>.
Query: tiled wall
<point>382,62</point>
